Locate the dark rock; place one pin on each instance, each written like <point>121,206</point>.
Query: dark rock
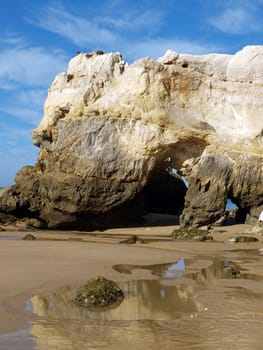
<point>131,240</point>
<point>105,148</point>
<point>214,179</point>
<point>256,230</point>
<point>192,233</point>
<point>7,219</point>
<point>29,237</point>
<point>243,239</point>
<point>230,270</point>
<point>164,193</point>
<point>33,223</point>
<point>98,292</point>
<point>251,220</point>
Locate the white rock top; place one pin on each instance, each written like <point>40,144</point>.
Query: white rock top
<point>218,95</point>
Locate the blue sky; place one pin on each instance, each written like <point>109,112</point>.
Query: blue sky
<point>39,37</point>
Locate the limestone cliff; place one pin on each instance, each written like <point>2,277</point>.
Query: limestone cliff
<point>109,128</point>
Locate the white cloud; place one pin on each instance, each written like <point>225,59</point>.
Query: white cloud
<point>25,74</point>
<point>134,21</point>
<point>12,40</point>
<point>77,29</point>
<point>113,24</point>
<point>28,115</point>
<point>118,31</point>
<point>30,66</point>
<point>237,21</point>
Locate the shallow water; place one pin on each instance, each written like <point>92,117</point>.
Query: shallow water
<point>8,237</point>
<point>190,304</point>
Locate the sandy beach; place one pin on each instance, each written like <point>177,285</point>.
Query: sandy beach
<point>58,259</point>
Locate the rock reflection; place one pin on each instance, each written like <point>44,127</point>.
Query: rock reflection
<point>216,269</point>
<point>167,313</point>
<point>143,300</point>
<point>66,326</point>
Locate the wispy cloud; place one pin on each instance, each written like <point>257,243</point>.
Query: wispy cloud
<point>30,66</point>
<point>25,75</point>
<point>13,40</point>
<point>29,115</point>
<point>82,32</point>
<point>102,31</point>
<point>134,21</point>
<point>118,31</point>
<point>237,20</point>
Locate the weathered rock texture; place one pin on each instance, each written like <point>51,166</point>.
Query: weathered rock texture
<point>110,128</point>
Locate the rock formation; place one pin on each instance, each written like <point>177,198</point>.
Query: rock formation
<point>109,128</point>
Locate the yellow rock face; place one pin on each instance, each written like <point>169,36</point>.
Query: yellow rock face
<point>108,127</point>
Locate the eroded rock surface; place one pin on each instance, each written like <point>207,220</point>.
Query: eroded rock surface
<point>109,128</point>
<point>98,292</point>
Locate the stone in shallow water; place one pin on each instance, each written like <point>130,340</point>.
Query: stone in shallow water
<point>191,233</point>
<point>131,240</point>
<point>231,270</point>
<point>29,237</point>
<point>98,292</point>
<point>242,239</point>
<point>257,229</point>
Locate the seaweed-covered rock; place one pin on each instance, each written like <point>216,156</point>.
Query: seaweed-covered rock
<point>33,223</point>
<point>243,239</point>
<point>192,233</point>
<point>257,229</point>
<point>98,292</point>
<point>230,270</point>
<point>7,219</point>
<point>29,237</point>
<point>131,240</point>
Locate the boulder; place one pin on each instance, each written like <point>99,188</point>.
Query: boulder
<point>192,233</point>
<point>231,270</point>
<point>256,229</point>
<point>29,237</point>
<point>98,292</point>
<point>243,239</point>
<point>111,132</point>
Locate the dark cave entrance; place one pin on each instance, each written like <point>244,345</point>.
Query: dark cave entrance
<point>165,191</point>
<point>235,213</point>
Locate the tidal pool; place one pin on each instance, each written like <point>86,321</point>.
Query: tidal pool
<point>189,304</point>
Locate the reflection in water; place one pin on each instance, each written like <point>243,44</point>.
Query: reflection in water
<point>8,238</point>
<point>19,340</point>
<point>143,300</point>
<point>173,270</point>
<point>186,308</point>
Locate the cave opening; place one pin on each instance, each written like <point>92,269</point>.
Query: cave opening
<point>164,193</point>
<point>166,186</point>
<point>230,205</point>
<point>235,213</point>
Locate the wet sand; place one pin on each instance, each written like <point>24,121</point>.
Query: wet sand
<point>57,259</point>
